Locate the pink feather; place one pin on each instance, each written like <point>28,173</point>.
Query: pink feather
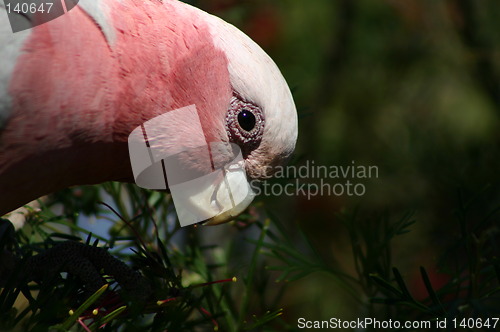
<point>76,96</point>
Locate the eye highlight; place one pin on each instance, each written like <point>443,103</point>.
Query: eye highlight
<point>244,124</point>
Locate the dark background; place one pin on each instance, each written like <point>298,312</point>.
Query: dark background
<point>412,87</point>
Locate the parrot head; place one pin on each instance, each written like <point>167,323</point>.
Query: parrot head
<point>243,100</point>
<point>261,118</point>
<point>79,85</point>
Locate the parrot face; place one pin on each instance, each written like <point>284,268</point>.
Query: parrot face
<point>80,84</point>
<point>261,118</point>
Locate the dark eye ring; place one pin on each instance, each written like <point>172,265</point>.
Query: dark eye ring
<point>246,120</point>
<point>244,123</point>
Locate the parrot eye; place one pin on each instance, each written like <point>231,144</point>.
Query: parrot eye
<point>244,124</point>
<point>246,119</point>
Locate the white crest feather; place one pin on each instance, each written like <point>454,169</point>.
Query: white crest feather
<point>257,78</point>
<point>100,13</point>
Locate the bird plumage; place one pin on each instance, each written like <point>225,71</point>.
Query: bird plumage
<point>74,88</point>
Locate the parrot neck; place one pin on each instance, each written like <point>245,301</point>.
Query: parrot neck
<point>39,173</point>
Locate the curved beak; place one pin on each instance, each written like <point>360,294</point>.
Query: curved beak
<point>214,198</point>
<point>219,198</point>
<point>233,212</point>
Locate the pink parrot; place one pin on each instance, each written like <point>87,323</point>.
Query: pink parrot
<point>73,89</point>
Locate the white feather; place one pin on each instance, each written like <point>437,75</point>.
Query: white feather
<point>100,13</point>
<point>257,78</point>
<point>10,49</point>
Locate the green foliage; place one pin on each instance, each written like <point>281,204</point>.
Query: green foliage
<point>471,291</point>
<point>410,86</point>
<point>191,287</point>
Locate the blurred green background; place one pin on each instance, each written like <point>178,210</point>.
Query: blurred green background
<point>410,86</point>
